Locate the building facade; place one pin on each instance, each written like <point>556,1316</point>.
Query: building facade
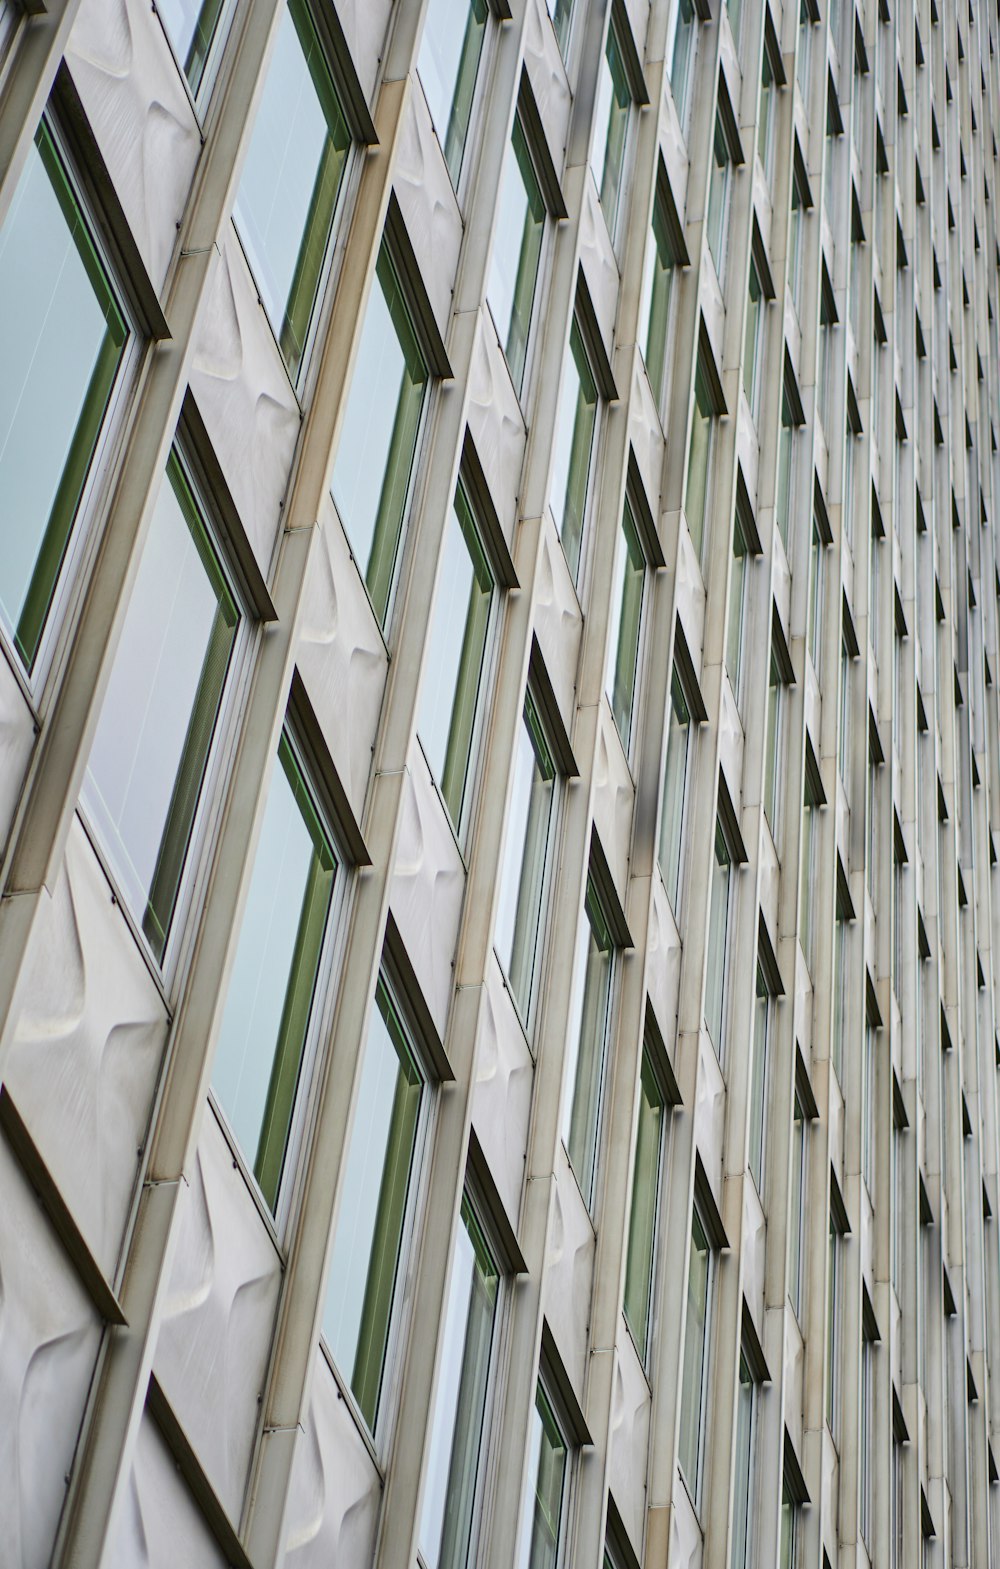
<point>498,752</point>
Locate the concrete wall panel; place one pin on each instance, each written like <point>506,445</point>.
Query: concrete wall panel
<point>501,1104</point>
<point>754,1239</point>
<point>547,76</point>
<point>663,949</point>
<point>570,1271</point>
<point>628,1441</point>
<point>365,24</point>
<point>558,622</point>
<point>496,424</point>
<point>614,794</point>
<point>597,259</point>
<point>161,1526</point>
<point>710,1113</point>
<point>335,1493</point>
<point>430,210</point>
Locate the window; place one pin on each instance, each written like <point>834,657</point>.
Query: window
<point>456,658</point>
<point>796,1208</point>
<point>154,735</point>
<point>844,718</point>
<point>628,593</point>
<point>448,65</point>
<point>561,12</point>
<point>833,1331</point>
<point>762,1014</point>
<point>765,117</point>
<point>753,341</point>
<point>871,859</point>
<point>576,423</point>
<point>868,1106</point>
<point>63,337</point>
<point>742,1554</point>
<point>451,1489</point>
<point>786,456</point>
<point>812,802</point>
<point>805,41</point>
<point>699,456</point>
<point>814,621</point>
<point>788,1556</point>
<point>369,1244</point>
<point>191,26</point>
<point>865,1504</point>
<point>521,905</point>
<point>697,1334</point>
<point>800,201</point>
<point>657,293</point>
<point>720,181</point>
<point>840,987</point>
<point>646,1169</point>
<point>676,773</point>
<point>548,1475</point>
<point>517,249</point>
<point>378,441</point>
<point>718,939</point>
<point>291,180</point>
<point>773,743</point>
<point>611,117</point>
<point>827,333</point>
<point>590,1021</point>
<point>682,57</point>
<point>261,1056</point>
<point>739,587</point>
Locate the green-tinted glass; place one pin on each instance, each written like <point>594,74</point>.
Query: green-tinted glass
<point>450,52</point>
<point>755,306</point>
<point>522,880</point>
<point>291,180</point>
<point>258,1061</point>
<point>516,251</point>
<point>695,1356</point>
<point>696,493</point>
<point>758,1080</point>
<point>737,603</point>
<point>718,929</point>
<point>674,788</point>
<point>772,744</point>
<point>631,575</point>
<point>62,337</point>
<point>595,958</point>
<point>660,268</point>
<point>367,1245</point>
<point>539,1544</point>
<point>618,107</point>
<point>190,25</point>
<point>561,12</point>
<point>683,50</point>
<point>645,1190</point>
<point>718,198</point>
<point>574,442</point>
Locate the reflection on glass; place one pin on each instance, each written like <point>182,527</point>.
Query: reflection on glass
<point>696,493</point>
<point>645,1191</point>
<point>657,287</point>
<point>460,1402</point>
<point>741,1545</point>
<point>291,179</point>
<point>190,25</point>
<point>737,606</point>
<point>455,656</point>
<point>786,447</point>
<point>755,314</point>
<point>715,978</point>
<point>718,198</point>
<point>695,1356</point>
<point>576,419</point>
<point>62,336</point>
<point>795,1209</point>
<point>590,1010</point>
<point>522,876</point>
<point>626,624</point>
<point>758,1080</point>
<point>448,65</point>
<point>772,747</point>
<point>371,475</point>
<point>538,1544</point>
<point>611,112</point>
<point>367,1244</point>
<point>517,246</point>
<point>674,789</point>
<point>561,12</point>
<point>258,1061</point>
<point>152,741</point>
<point>681,57</point>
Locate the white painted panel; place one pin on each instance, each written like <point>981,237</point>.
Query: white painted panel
<point>685,1532</point>
<point>645,435</point>
<point>49,1335</point>
<point>547,75</point>
<point>87,1048</point>
<point>495,423</point>
<point>569,1272</point>
<point>501,1101</point>
<point>597,259</point>
<point>212,1351</point>
<point>160,1525</point>
<point>427,201</point>
<point>614,794</point>
<point>335,1492</point>
<point>365,23</point>
<point>558,622</point>
<point>663,962</point>
<point>710,1113</point>
<point>629,1438</point>
<point>754,1238</point>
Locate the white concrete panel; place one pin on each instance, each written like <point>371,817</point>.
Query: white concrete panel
<point>365,23</point>
<point>547,76</point>
<point>218,1318</point>
<point>141,116</point>
<point>427,201</point>
<point>160,1526</point>
<point>49,1335</point>
<point>427,887</point>
<point>685,1531</point>
<point>663,962</point>
<point>597,259</point>
<point>794,1363</point>
<point>87,1048</point>
<point>769,875</point>
<point>335,1492</point>
<point>341,658</point>
<point>731,744</point>
<point>628,1441</point>
<point>501,1101</point>
<point>495,423</point>
<point>690,592</point>
<point>674,148</point>
<point>17,737</point>
<point>645,435</point>
<point>710,1114</point>
<point>638,16</point>
<point>558,622</point>
<point>754,1237</point>
<point>614,794</point>
<point>782,584</point>
<point>747,448</point>
<point>569,1271</point>
<point>242,390</point>
<point>836,1117</point>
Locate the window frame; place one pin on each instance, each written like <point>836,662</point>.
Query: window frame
<point>631,519</point>
<point>760,1064</point>
<point>579,330</point>
<point>744,1556</point>
<point>201,92</point>
<point>593,908</point>
<point>521,375</point>
<point>680,681</point>
<point>704,393</point>
<point>724,838</point>
<point>649,1057</point>
<point>613,36</point>
<point>695,1484</point>
<point>459,184</point>
<point>545,1392</point>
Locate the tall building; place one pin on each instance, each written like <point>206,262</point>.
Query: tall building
<point>498,752</point>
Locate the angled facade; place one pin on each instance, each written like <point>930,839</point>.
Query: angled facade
<point>499,675</point>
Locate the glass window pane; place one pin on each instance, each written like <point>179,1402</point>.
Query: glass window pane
<point>522,878</point>
<point>682,54</point>
<point>718,199</point>
<point>645,1191</point>
<point>696,494</point>
<point>448,64</point>
<point>455,656</point>
<point>517,246</point>
<point>576,420</point>
<point>772,745</point>
<point>717,936</point>
<point>674,789</point>
<point>367,1244</point>
<point>62,337</point>
<point>561,12</point>
<point>538,1546</point>
<point>291,180</point>
<point>460,1402</point>
<point>737,602</point>
<point>764,138</point>
<point>590,1009</point>
<point>758,1081</point>
<point>371,475</point>
<point>611,113</point>
<point>258,1060</point>
<point>657,287</point>
<point>153,738</point>
<point>786,438</point>
<point>795,1209</point>
<point>755,307</point>
<point>740,1555</point>
<point>695,1356</point>
<point>190,25</point>
<point>630,575</point>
